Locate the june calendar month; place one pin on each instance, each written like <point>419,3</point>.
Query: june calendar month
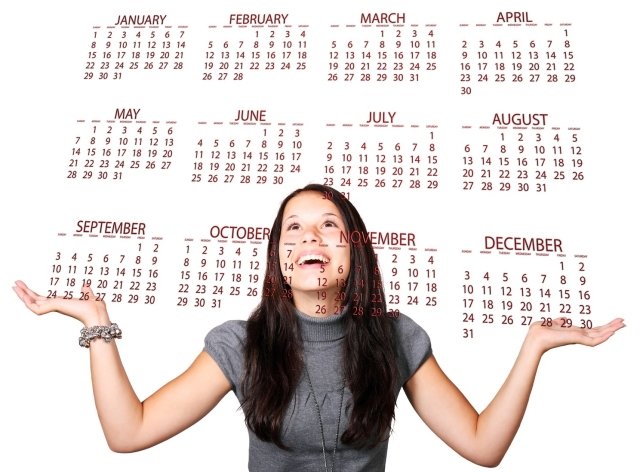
<point>248,149</point>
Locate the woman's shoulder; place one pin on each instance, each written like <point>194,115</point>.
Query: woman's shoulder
<point>413,345</point>
<point>236,329</point>
<point>225,344</point>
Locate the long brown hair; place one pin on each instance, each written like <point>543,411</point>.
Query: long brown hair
<point>273,349</point>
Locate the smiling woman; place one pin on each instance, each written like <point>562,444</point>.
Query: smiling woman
<point>313,259</point>
<point>318,365</point>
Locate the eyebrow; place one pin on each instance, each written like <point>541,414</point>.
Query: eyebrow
<point>324,214</point>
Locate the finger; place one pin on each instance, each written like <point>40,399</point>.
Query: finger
<point>86,292</point>
<point>612,326</point>
<point>22,295</point>
<point>33,303</point>
<point>25,289</point>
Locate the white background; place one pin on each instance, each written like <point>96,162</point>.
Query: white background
<point>583,412</point>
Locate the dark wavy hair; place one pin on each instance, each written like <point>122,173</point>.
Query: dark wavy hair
<point>273,349</point>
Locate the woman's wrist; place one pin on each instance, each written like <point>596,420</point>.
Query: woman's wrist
<point>100,318</point>
<point>533,342</point>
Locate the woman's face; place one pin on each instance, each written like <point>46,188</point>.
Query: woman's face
<point>313,258</point>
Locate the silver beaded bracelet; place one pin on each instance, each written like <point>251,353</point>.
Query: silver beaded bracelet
<point>105,332</point>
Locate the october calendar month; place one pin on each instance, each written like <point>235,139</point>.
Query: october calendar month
<point>521,153</point>
<point>382,47</point>
<point>120,260</point>
<point>516,49</point>
<point>514,281</point>
<point>224,269</point>
<point>382,153</point>
<point>249,149</point>
<point>134,44</point>
<point>121,147</point>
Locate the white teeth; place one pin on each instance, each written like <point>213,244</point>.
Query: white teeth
<point>309,257</point>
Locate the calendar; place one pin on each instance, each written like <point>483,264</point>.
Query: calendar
<point>488,146</point>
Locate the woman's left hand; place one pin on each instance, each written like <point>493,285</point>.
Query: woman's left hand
<point>560,332</point>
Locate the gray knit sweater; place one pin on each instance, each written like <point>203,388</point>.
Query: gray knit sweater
<point>323,338</point>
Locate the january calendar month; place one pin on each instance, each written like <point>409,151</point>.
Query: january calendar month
<point>510,281</point>
<point>382,47</point>
<point>248,149</point>
<point>224,269</point>
<point>513,50</point>
<point>381,152</point>
<point>136,44</point>
<point>514,152</point>
<point>120,260</point>
<point>123,146</point>
<point>252,45</point>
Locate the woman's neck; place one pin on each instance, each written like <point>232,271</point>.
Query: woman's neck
<point>318,303</point>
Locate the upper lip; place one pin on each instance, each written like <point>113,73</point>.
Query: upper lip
<point>315,254</point>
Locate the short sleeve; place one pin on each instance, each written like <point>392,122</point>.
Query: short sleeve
<point>413,346</point>
<point>225,344</point>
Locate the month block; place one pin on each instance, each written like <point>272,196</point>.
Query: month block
<point>516,48</point>
<point>254,46</point>
<point>120,260</point>
<point>249,150</point>
<point>382,48</point>
<point>135,44</point>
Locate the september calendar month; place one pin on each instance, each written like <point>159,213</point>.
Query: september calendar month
<point>119,260</point>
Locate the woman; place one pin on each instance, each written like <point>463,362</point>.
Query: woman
<point>318,365</point>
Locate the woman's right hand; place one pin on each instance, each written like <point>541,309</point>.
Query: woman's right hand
<point>87,309</point>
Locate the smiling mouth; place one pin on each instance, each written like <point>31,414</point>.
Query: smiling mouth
<point>310,259</point>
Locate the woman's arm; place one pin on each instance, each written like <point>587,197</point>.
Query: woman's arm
<point>128,424</point>
<point>484,438</point>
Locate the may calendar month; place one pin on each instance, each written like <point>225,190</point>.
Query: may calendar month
<point>136,43</point>
<point>127,144</point>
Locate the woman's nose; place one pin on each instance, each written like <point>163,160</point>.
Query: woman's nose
<point>310,236</point>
